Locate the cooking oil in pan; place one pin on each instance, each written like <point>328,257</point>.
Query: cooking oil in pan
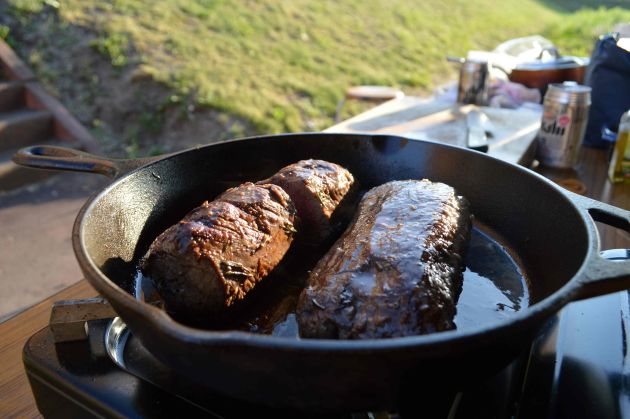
<point>493,289</point>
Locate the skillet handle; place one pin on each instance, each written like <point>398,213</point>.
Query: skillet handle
<point>67,159</point>
<point>608,272</point>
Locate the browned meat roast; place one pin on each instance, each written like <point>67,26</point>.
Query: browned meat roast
<point>221,250</point>
<point>397,269</point>
<point>316,187</point>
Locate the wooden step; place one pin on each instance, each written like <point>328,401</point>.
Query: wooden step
<point>11,95</point>
<point>13,176</point>
<point>24,127</point>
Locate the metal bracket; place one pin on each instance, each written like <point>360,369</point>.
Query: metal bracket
<point>68,318</point>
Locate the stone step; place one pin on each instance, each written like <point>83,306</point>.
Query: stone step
<point>13,176</point>
<point>11,95</point>
<point>24,127</point>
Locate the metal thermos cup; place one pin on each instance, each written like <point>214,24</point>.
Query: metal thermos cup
<point>565,115</point>
<point>473,82</point>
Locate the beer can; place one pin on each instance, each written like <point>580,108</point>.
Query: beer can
<point>565,115</point>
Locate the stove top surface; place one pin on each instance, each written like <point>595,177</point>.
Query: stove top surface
<point>577,367</point>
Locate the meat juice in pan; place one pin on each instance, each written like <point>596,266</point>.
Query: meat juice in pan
<point>494,287</point>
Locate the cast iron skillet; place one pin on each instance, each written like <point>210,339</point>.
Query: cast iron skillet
<point>550,229</point>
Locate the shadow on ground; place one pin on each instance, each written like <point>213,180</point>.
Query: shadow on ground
<point>62,186</point>
<point>36,238</point>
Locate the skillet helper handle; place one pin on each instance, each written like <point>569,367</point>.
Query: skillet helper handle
<point>604,273</point>
<point>67,159</point>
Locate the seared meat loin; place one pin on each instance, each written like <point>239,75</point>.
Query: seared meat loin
<point>316,187</point>
<point>397,269</point>
<point>220,250</point>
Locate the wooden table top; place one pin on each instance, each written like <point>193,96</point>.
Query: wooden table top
<point>592,171</point>
<point>16,399</point>
<point>512,132</point>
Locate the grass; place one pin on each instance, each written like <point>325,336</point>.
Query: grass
<point>573,34</point>
<point>283,65</point>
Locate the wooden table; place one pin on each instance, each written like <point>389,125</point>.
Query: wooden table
<point>438,118</point>
<point>16,399</point>
<point>592,172</point>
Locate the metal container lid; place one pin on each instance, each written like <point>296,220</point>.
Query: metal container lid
<point>561,63</point>
<point>569,92</point>
<point>474,64</point>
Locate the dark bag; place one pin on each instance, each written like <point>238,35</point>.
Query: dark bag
<point>608,74</point>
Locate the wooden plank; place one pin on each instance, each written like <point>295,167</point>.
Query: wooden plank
<point>12,65</point>
<point>24,127</point>
<point>11,95</point>
<point>16,398</point>
<point>390,114</point>
<point>66,126</point>
<point>512,131</point>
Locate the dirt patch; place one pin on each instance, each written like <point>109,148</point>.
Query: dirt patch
<point>127,111</point>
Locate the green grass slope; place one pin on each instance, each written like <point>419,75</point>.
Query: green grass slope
<point>283,65</point>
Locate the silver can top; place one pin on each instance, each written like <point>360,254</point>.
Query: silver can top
<point>569,92</point>
<point>471,65</point>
